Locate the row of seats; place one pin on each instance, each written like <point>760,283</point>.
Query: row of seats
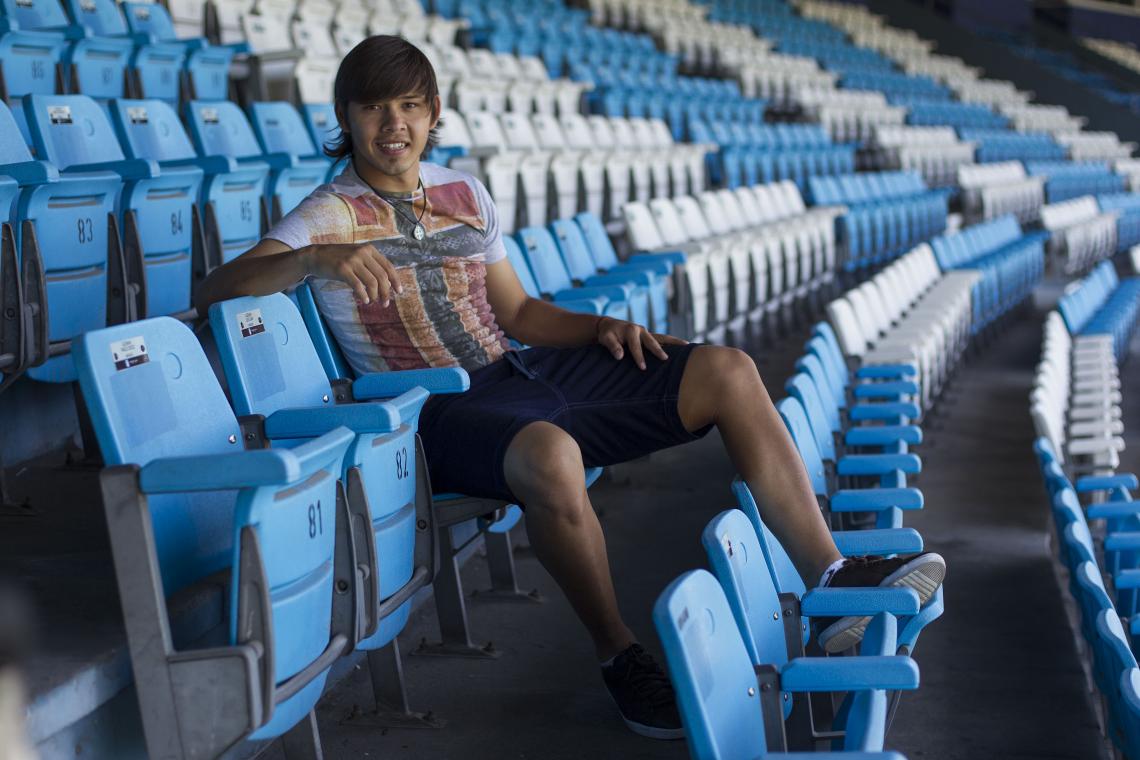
<point>887,213</point>
<point>1100,583</point>
<point>750,254</point>
<point>1127,207</point>
<point>1075,401</point>
<point>912,312</point>
<point>1103,304</point>
<point>540,167</point>
<point>1065,180</point>
<point>1011,263</point>
<point>995,189</point>
<point>934,152</point>
<point>105,51</point>
<point>1080,233</point>
<point>1002,145</point>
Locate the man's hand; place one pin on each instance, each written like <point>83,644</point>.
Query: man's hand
<point>370,275</point>
<point>616,335</point>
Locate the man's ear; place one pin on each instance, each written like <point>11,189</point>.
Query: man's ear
<point>436,110</point>
<point>341,116</point>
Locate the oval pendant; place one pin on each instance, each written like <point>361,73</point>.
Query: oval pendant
<point>418,233</point>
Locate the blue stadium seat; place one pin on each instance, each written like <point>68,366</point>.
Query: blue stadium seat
<point>32,62</point>
<point>719,695</point>
<point>279,129</point>
<point>585,304</point>
<point>739,564</point>
<point>84,274</point>
<point>157,206</point>
<point>220,129</point>
<point>554,281</point>
<point>576,256</point>
<point>184,501</point>
<point>206,66</point>
<point>272,369</point>
<point>320,121</point>
<point>232,198</point>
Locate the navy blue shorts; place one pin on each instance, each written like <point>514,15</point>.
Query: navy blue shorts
<point>615,411</point>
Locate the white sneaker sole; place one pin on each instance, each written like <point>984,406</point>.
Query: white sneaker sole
<point>924,574</point>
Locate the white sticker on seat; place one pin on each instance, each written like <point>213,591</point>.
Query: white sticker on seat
<point>59,114</point>
<point>250,323</point>
<point>129,353</point>
<point>137,114</point>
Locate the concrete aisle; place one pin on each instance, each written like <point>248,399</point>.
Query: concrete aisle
<point>1000,676</point>
<point>1000,672</point>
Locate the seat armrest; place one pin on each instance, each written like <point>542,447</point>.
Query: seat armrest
<point>609,292</point>
<point>128,169</point>
<point>857,673</point>
<point>1125,540</point>
<point>309,422</point>
<point>884,411</point>
<point>238,469</point>
<point>890,390</point>
<point>31,172</point>
<point>875,499</point>
<point>1111,510</point>
<point>840,602</point>
<point>638,276</point>
<point>877,541</point>
<point>595,306</point>
<point>384,385</point>
<point>1091,483</point>
<point>208,164</point>
<point>883,435</point>
<point>276,161</point>
<point>878,464</point>
<point>886,371</point>
<point>616,278</point>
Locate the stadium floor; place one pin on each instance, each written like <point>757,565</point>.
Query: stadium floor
<point>1000,672</point>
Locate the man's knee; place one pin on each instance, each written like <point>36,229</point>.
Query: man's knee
<point>716,377</point>
<point>543,467</point>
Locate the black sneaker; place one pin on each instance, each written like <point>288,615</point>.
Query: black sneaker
<point>921,572</point>
<point>643,694</point>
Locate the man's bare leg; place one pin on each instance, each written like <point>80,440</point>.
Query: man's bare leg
<point>722,387</point>
<point>543,467</point>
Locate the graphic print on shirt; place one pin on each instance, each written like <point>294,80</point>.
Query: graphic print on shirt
<point>443,317</point>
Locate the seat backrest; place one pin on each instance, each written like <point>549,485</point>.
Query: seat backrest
<point>219,128</point>
<point>148,18</point>
<point>70,129</point>
<point>780,564</point>
<point>151,393</point>
<point>598,240</point>
<point>640,227</point>
<point>102,17</point>
<point>320,120</point>
<point>692,219</point>
<point>521,267</point>
<point>737,561</point>
<point>710,669</point>
<point>13,149</point>
<point>575,252</point>
<point>795,418</point>
<point>801,387</point>
<point>150,129</point>
<point>846,327</point>
<point>269,360</point>
<point>279,129</point>
<point>486,132</point>
<point>542,253</point>
<point>30,15</point>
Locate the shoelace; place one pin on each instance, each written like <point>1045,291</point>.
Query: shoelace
<point>646,677</point>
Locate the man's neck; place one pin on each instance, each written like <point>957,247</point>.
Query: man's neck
<point>408,182</point>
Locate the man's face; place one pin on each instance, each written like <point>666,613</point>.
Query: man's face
<point>389,136</point>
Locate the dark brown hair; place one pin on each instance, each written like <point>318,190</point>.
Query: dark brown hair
<point>381,68</point>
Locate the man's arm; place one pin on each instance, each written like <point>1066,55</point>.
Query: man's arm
<point>539,323</point>
<point>271,266</point>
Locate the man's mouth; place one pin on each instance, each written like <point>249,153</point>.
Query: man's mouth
<point>392,148</point>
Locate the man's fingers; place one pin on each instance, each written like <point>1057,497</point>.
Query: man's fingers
<point>633,338</point>
<point>653,346</point>
<point>389,270</point>
<point>371,285</point>
<point>613,343</point>
<point>377,270</point>
<point>669,340</point>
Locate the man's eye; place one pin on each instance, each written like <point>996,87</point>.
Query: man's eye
<point>411,105</point>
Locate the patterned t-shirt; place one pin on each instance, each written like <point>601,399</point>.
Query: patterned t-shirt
<point>442,319</point>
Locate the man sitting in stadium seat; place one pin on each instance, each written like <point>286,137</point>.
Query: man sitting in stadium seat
<point>408,268</point>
